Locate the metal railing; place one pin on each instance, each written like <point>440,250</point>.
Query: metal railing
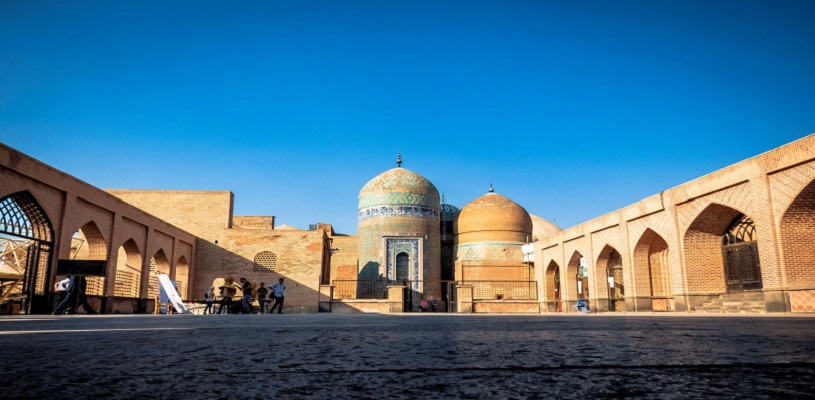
<point>503,290</point>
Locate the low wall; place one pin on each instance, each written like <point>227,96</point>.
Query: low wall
<point>507,306</point>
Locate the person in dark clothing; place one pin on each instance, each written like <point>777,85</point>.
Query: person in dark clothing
<point>76,297</point>
<point>262,292</point>
<point>246,286</point>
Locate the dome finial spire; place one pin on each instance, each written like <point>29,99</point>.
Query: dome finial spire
<point>442,198</point>
<point>399,160</point>
<point>491,189</point>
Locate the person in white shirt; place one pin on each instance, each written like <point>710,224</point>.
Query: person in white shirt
<point>278,289</point>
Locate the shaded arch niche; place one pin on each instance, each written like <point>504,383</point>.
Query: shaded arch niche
<point>797,232</point>
<point>128,271</point>
<point>609,280</point>
<point>553,288</point>
<point>182,276</point>
<point>88,243</point>
<point>159,264</point>
<point>576,286</point>
<point>651,273</point>
<point>706,248</point>
<point>26,241</point>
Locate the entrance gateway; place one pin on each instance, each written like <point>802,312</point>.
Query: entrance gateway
<point>742,270</point>
<point>27,238</point>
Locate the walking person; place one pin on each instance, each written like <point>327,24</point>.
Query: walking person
<point>262,291</point>
<point>62,289</point>
<point>209,297</point>
<point>246,286</point>
<point>278,289</point>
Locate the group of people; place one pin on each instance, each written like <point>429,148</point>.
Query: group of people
<point>276,290</point>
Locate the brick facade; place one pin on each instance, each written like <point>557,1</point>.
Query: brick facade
<point>671,243</point>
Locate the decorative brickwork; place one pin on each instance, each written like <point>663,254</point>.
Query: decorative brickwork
<point>651,266</point>
<point>797,230</point>
<point>802,301</point>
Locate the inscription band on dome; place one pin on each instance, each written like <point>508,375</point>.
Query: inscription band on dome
<point>398,211</point>
<point>398,198</point>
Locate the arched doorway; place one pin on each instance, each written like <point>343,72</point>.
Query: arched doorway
<point>553,301</point>
<point>651,273</point>
<point>577,281</point>
<point>740,252</point>
<point>26,238</point>
<point>616,285</point>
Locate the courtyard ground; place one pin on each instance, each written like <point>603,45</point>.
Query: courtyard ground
<point>425,356</point>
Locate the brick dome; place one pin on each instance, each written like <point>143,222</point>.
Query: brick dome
<point>399,186</point>
<point>542,228</point>
<point>493,217</point>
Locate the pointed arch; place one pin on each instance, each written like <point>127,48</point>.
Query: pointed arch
<point>553,287</point>
<point>182,276</point>
<point>651,272</point>
<point>703,250</point>
<point>88,243</point>
<point>797,233</point>
<point>26,230</point>
<point>159,264</point>
<point>609,280</point>
<point>576,286</point>
<point>128,270</point>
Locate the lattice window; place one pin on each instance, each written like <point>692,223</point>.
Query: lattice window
<point>740,230</point>
<point>127,283</point>
<point>20,215</point>
<point>265,261</point>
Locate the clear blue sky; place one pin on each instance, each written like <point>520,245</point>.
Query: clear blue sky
<point>571,108</point>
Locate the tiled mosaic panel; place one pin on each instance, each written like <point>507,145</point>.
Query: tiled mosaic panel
<point>398,198</point>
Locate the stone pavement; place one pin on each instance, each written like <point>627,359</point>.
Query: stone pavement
<point>431,356</point>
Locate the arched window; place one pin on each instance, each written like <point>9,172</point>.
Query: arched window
<point>265,261</point>
<point>741,230</point>
<point>402,266</point>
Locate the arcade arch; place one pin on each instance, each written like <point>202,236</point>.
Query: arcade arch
<point>88,243</point>
<point>158,265</point>
<point>128,270</point>
<point>721,252</point>
<point>182,276</point>
<point>797,233</point>
<point>26,241</point>
<point>609,274</point>
<point>577,281</point>
<point>553,303</point>
<point>651,272</point>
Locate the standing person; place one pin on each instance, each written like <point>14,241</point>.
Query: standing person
<point>246,286</point>
<point>279,289</point>
<point>209,297</point>
<point>262,292</point>
<point>226,299</point>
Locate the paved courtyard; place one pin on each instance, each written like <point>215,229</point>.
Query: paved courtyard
<point>407,356</point>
